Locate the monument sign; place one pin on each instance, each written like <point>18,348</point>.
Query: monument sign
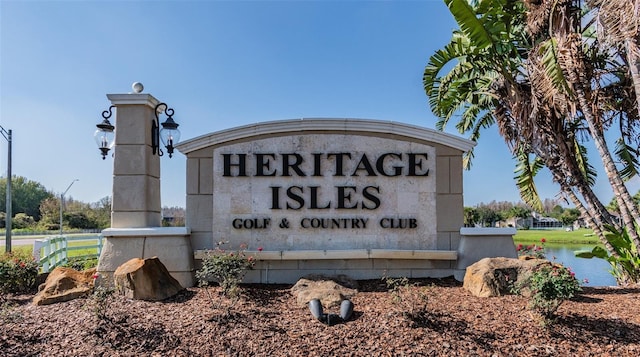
<point>364,198</point>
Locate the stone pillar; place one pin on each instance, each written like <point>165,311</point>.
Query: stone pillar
<point>136,170</point>
<point>136,211</point>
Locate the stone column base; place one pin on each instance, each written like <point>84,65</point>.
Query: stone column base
<point>479,243</point>
<point>172,245</point>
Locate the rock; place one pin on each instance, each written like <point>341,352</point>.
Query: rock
<point>64,284</point>
<point>495,276</point>
<point>145,279</point>
<point>331,291</point>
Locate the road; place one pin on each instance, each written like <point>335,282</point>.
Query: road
<point>29,240</point>
<point>20,241</point>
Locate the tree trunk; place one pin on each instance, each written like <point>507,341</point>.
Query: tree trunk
<point>624,199</point>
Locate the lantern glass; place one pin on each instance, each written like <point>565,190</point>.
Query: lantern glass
<point>104,138</point>
<point>170,137</point>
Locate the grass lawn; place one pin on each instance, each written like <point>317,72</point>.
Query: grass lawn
<point>581,236</point>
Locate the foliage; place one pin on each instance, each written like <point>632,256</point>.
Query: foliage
<point>613,204</point>
<point>624,261</point>
<point>21,220</point>
<point>26,196</point>
<point>173,216</point>
<point>76,215</point>
<point>549,286</point>
<point>80,264</point>
<point>227,268</point>
<point>410,299</point>
<point>18,272</point>
<point>99,301</point>
<point>78,220</point>
<point>552,76</point>
<point>532,250</point>
<point>8,312</point>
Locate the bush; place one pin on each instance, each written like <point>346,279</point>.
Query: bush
<point>18,272</point>
<point>625,263</point>
<point>410,300</point>
<point>227,268</point>
<point>549,286</point>
<point>80,264</point>
<point>533,250</point>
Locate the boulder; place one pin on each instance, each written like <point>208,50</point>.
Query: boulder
<point>330,291</point>
<point>64,284</point>
<point>495,276</point>
<point>145,279</point>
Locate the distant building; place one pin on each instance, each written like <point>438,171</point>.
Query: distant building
<point>537,221</point>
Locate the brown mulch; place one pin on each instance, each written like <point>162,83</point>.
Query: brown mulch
<point>267,322</point>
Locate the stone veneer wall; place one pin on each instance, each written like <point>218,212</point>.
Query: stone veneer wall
<point>448,195</point>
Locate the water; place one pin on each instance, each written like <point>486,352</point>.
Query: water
<point>595,270</point>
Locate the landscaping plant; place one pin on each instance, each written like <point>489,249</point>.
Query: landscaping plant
<point>532,250</point>
<point>18,272</point>
<point>625,262</point>
<point>549,286</point>
<point>227,268</point>
<point>100,299</point>
<point>409,299</point>
<point>80,264</point>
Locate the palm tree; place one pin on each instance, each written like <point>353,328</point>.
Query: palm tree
<point>547,88</point>
<point>578,78</point>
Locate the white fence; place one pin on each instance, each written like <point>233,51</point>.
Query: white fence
<point>53,252</point>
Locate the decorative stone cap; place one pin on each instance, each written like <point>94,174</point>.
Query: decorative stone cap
<point>146,232</point>
<point>325,125</point>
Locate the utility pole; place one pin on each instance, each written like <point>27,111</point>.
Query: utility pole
<point>9,211</point>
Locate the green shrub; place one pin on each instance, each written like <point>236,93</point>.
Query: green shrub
<point>532,250</point>
<point>549,286</point>
<point>227,268</point>
<point>625,263</point>
<point>18,272</point>
<point>410,300</point>
<point>80,264</point>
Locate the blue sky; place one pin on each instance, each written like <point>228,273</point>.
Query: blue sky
<point>219,64</point>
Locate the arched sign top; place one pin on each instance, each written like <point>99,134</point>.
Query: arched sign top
<point>325,125</point>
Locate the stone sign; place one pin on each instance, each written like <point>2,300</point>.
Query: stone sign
<point>356,197</point>
<point>325,191</point>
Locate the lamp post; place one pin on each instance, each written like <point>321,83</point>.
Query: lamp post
<point>9,213</point>
<point>169,134</point>
<point>62,203</point>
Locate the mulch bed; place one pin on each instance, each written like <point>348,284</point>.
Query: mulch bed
<point>268,322</point>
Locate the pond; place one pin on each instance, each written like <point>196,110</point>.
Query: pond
<point>596,271</point>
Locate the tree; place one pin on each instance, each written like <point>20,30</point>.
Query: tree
<point>569,215</point>
<point>471,217</point>
<point>100,213</point>
<point>26,196</point>
<point>527,67</point>
<point>50,213</point>
<point>518,212</point>
<point>22,220</point>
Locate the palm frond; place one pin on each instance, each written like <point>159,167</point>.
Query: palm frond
<point>469,23</point>
<point>628,156</point>
<point>525,171</point>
